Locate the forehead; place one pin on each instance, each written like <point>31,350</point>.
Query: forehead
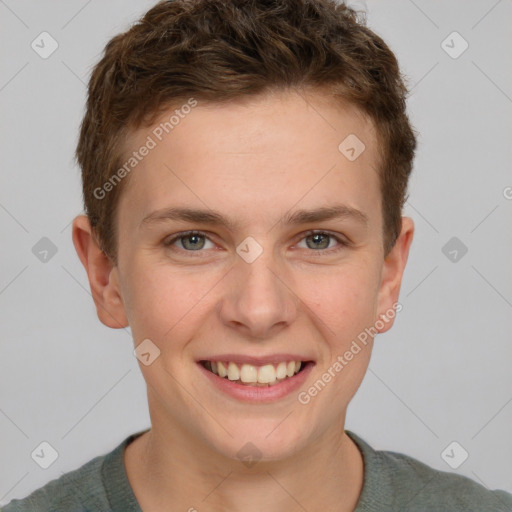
<point>259,154</point>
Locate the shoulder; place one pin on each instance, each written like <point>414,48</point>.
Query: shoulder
<point>76,490</point>
<point>394,481</point>
<point>99,485</point>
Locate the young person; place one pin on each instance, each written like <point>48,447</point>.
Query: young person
<point>244,166</point>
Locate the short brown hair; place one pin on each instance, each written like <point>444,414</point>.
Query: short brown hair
<point>221,50</point>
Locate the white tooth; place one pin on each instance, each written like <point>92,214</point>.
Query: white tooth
<point>281,371</point>
<point>290,368</point>
<point>248,373</point>
<point>233,372</point>
<point>221,369</point>
<point>266,374</point>
<point>214,367</point>
<point>297,366</point>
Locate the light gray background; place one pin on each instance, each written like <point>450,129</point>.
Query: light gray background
<point>441,374</point>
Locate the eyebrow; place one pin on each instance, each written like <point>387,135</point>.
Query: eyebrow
<point>198,216</point>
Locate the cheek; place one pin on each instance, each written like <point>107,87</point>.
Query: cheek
<point>344,299</point>
<point>163,301</point>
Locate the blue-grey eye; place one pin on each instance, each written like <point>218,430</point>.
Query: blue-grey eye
<point>318,240</point>
<point>192,242</point>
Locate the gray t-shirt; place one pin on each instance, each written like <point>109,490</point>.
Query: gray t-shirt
<point>393,482</point>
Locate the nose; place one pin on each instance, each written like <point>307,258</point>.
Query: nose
<point>258,300</point>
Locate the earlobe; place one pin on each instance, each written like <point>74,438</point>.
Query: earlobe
<point>101,272</point>
<point>392,273</point>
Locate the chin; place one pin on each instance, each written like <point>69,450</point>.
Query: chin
<point>253,440</point>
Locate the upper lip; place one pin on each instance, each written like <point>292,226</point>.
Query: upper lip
<point>256,361</point>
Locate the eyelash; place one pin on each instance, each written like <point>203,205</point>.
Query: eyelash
<point>341,242</point>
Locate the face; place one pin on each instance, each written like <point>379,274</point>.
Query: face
<point>284,264</point>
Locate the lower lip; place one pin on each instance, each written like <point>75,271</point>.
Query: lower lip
<point>261,394</point>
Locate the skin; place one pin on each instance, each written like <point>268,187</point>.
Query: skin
<point>253,161</point>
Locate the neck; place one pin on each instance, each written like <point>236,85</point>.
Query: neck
<point>171,470</point>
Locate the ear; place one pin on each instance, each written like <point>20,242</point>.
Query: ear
<point>102,274</point>
<point>391,276</point>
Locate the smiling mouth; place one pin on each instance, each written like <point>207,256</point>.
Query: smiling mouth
<point>252,375</point>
